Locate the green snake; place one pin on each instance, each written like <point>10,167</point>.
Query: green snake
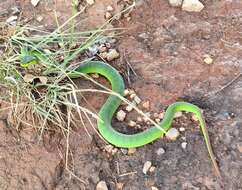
<point>111,105</point>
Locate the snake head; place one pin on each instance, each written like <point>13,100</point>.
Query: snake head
<point>26,58</point>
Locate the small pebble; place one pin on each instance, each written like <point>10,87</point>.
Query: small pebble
<point>175,3</point>
<point>108,15</point>
<point>146,104</point>
<point>112,54</point>
<point>110,8</point>
<point>192,5</point>
<point>132,123</point>
<point>208,59</point>
<point>126,92</point>
<point>132,95</point>
<point>102,49</point>
<point>11,19</point>
<point>114,151</point>
<point>154,188</point>
<point>35,2</point>
<point>139,119</point>
<point>146,167</point>
<point>183,138</point>
<point>161,115</point>
<point>184,145</point>
<point>137,99</point>
<point>172,134</point>
<point>39,18</point>
<point>156,115</point>
<point>95,75</point>
<point>103,55</point>
<point>178,114</point>
<point>157,120</point>
<point>108,148</point>
<point>131,151</point>
<point>181,129</point>
<point>129,108</point>
<point>101,186</point>
<point>152,169</point>
<point>124,151</point>
<point>90,2</point>
<point>160,151</point>
<point>121,115</point>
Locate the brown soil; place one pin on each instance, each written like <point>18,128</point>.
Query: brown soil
<point>166,47</point>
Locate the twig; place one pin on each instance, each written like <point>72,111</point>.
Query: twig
<point>129,173</point>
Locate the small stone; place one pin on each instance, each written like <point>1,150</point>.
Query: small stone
<point>156,115</point>
<point>161,115</point>
<point>103,55</point>
<point>112,54</point>
<point>90,2</point>
<point>95,75</point>
<point>184,145</point>
<point>146,167</point>
<point>121,115</point>
<point>108,148</point>
<point>139,119</point>
<point>181,129</point>
<point>35,2</point>
<point>114,151</point>
<point>110,8</point>
<point>160,151</point>
<point>183,138</point>
<point>124,151</point>
<point>172,134</point>
<point>131,151</point>
<point>39,18</point>
<point>157,120</point>
<point>152,169</point>
<point>154,188</point>
<point>146,104</point>
<point>101,186</point>
<point>102,49</point>
<point>178,114</point>
<point>175,3</point>
<point>192,6</point>
<point>137,99</point>
<point>239,146</point>
<point>108,15</point>
<point>132,95</point>
<point>132,123</point>
<point>126,92</point>
<point>194,118</point>
<point>129,108</point>
<point>11,19</point>
<point>208,59</point>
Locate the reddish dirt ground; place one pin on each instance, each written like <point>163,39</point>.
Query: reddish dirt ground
<point>166,47</point>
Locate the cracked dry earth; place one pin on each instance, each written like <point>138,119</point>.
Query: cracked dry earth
<point>166,47</point>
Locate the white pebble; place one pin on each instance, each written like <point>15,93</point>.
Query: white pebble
<point>121,115</point>
<point>39,18</point>
<point>154,188</point>
<point>132,95</point>
<point>157,120</point>
<point>108,15</point>
<point>208,59</point>
<point>103,55</point>
<point>35,2</point>
<point>108,148</point>
<point>178,114</point>
<point>146,167</point>
<point>139,119</point>
<point>11,19</point>
<point>137,99</point>
<point>161,115</point>
<point>175,3</point>
<point>152,168</point>
<point>181,129</point>
<point>172,134</point>
<point>109,8</point>
<point>131,151</point>
<point>90,2</point>
<point>184,145</point>
<point>129,108</point>
<point>126,92</point>
<point>192,6</point>
<point>101,186</point>
<point>112,54</point>
<point>146,104</point>
<point>132,123</point>
<point>160,151</point>
<point>124,151</point>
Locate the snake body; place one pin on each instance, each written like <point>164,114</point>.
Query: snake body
<point>111,105</point>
